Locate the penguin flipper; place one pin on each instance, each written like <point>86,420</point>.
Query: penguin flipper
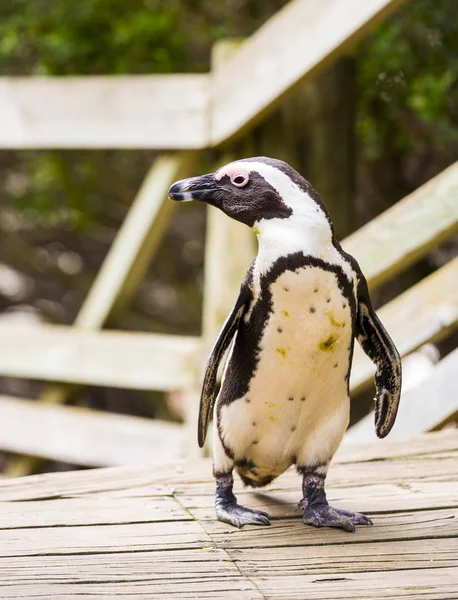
<point>380,348</point>
<point>209,386</point>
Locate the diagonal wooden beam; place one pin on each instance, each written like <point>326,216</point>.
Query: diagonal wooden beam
<point>299,40</point>
<point>135,244</point>
<point>182,111</point>
<point>425,407</point>
<point>426,312</point>
<point>124,266</point>
<point>407,231</point>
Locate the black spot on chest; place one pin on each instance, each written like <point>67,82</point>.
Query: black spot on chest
<point>246,350</point>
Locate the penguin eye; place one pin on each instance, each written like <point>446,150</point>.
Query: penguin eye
<point>239,179</point>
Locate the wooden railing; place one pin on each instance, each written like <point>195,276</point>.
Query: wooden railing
<point>186,111</point>
<point>191,113</point>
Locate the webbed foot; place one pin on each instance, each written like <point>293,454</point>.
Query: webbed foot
<point>227,509</point>
<point>237,515</point>
<point>323,515</point>
<point>317,511</point>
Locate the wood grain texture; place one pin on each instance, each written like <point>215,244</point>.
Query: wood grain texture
<point>426,312</point>
<point>72,512</point>
<point>294,44</point>
<point>121,271</point>
<point>408,230</point>
<point>434,584</point>
<point>85,437</point>
<point>142,361</point>
<point>153,111</point>
<point>136,242</point>
<point>426,407</point>
<point>150,532</point>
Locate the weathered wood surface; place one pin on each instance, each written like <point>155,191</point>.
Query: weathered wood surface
<point>426,407</point>
<point>160,111</point>
<point>186,111</point>
<point>295,43</point>
<point>426,312</point>
<point>404,233</point>
<point>86,437</point>
<point>143,361</point>
<point>136,242</point>
<point>150,532</point>
<point>119,275</point>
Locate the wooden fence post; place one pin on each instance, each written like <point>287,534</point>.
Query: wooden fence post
<point>229,250</point>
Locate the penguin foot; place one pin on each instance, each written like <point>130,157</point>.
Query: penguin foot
<point>323,515</point>
<point>237,515</point>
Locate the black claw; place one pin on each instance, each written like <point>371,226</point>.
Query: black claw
<point>237,515</point>
<point>324,515</point>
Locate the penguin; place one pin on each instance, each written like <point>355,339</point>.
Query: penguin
<point>284,396</point>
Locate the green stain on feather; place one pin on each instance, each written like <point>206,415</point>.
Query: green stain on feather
<point>256,230</point>
<point>285,313</point>
<point>281,351</point>
<point>333,321</point>
<point>328,344</point>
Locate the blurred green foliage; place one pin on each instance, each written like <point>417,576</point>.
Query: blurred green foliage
<point>407,76</point>
<point>407,70</point>
<point>91,37</point>
<point>103,37</point>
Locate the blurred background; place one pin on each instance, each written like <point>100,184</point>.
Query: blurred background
<point>368,131</point>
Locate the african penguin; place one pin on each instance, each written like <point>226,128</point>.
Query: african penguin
<point>284,396</point>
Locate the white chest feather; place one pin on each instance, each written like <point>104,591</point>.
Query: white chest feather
<point>296,408</point>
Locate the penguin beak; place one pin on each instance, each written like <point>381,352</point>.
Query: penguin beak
<point>193,188</point>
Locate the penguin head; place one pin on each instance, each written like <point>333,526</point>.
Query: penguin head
<point>252,190</point>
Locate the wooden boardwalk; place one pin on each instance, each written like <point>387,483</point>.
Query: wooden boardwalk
<point>150,532</point>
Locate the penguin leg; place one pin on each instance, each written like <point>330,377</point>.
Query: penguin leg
<point>227,509</point>
<point>317,511</point>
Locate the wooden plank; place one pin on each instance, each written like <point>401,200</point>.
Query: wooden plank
<point>136,242</point>
<point>415,584</point>
<point>229,245</point>
<point>398,472</point>
<point>374,498</point>
<point>148,588</point>
<point>229,250</point>
<point>72,512</point>
<point>426,312</point>
<point>445,441</point>
<point>128,546</point>
<point>77,483</point>
<point>426,407</point>
<point>421,459</point>
<point>346,559</point>
<point>168,567</point>
<point>408,230</point>
<point>123,268</point>
<point>441,523</point>
<point>142,361</point>
<point>286,50</point>
<point>85,437</point>
<point>171,535</point>
<point>153,111</point>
